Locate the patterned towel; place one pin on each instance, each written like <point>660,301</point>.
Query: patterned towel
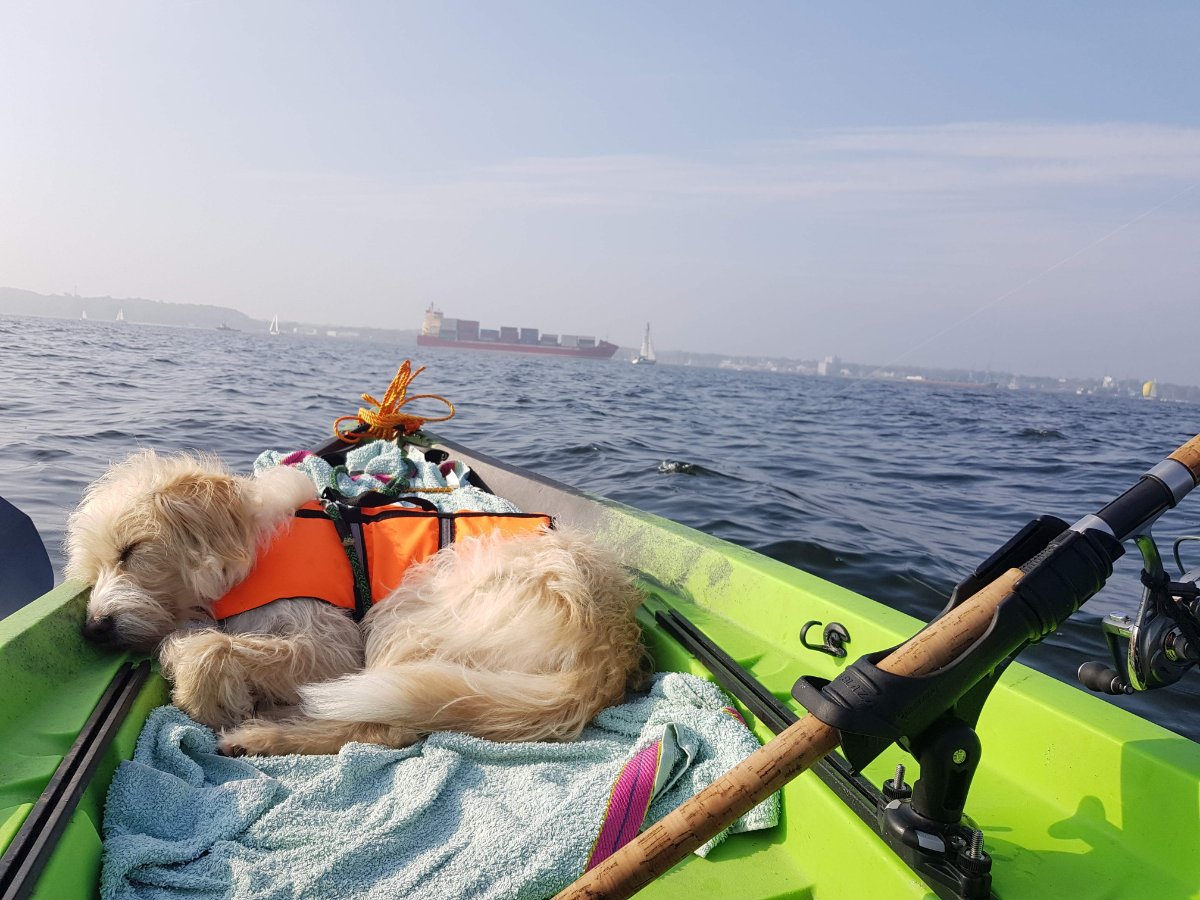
<point>396,471</point>
<point>452,816</point>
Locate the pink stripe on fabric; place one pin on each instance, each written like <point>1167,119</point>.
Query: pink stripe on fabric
<point>296,456</point>
<point>733,712</point>
<point>628,804</point>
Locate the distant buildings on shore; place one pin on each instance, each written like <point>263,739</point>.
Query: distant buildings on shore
<point>139,311</point>
<point>1107,386</point>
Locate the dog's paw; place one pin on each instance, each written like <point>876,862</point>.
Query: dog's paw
<point>219,701</point>
<point>228,747</point>
<point>255,737</point>
<point>208,681</point>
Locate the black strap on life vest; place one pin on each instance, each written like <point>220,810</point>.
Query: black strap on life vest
<point>347,518</point>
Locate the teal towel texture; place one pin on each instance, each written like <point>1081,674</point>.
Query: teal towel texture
<point>397,471</point>
<point>451,816</point>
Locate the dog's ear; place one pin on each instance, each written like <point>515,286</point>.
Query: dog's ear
<point>209,523</point>
<point>259,507</point>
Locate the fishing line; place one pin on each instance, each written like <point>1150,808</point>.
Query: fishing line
<point>1020,287</point>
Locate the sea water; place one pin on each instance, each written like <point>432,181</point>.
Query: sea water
<point>895,490</point>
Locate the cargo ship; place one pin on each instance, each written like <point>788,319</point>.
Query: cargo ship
<point>465,334</point>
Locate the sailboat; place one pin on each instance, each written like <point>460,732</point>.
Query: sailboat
<point>274,329</point>
<point>83,315</point>
<point>646,355</point>
<point>121,315</point>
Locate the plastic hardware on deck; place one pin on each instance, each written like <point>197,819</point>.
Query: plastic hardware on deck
<point>873,708</point>
<point>939,848</point>
<point>1031,540</point>
<point>834,636</point>
<point>855,791</point>
<point>933,716</point>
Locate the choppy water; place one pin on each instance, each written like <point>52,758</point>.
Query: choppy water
<point>894,490</point>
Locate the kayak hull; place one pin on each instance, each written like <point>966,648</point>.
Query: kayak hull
<point>1073,794</point>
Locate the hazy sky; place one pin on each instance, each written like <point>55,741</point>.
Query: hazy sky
<point>798,179</point>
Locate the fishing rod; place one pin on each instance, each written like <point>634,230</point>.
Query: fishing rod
<point>928,692</point>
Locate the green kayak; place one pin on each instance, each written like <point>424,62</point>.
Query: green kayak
<point>1073,796</point>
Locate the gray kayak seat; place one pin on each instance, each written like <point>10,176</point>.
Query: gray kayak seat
<point>25,571</point>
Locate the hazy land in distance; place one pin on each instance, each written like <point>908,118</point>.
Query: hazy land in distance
<point>18,302</point>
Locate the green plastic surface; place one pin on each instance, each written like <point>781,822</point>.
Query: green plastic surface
<point>1077,797</point>
<point>51,681</point>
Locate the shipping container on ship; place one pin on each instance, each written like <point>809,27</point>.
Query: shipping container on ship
<point>465,334</point>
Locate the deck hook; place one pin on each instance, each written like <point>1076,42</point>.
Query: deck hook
<point>834,636</point>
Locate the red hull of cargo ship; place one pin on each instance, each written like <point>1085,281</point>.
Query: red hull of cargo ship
<point>603,350</point>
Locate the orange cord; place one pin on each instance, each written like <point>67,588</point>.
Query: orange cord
<point>385,421</point>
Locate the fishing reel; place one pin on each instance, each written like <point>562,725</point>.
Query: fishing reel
<point>1155,648</point>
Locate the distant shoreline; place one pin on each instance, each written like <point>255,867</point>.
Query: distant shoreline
<point>138,311</point>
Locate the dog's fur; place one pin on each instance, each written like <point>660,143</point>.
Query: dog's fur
<point>518,639</point>
<point>160,538</point>
<point>511,639</point>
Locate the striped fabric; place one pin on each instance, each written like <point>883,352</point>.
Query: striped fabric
<point>627,803</point>
<point>636,785</point>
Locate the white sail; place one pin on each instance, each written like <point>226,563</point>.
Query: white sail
<point>646,353</point>
<point>120,315</point>
<point>83,315</point>
<point>274,329</point>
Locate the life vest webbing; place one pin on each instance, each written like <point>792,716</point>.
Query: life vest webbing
<point>311,559</point>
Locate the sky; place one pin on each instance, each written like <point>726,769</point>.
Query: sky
<point>1005,186</point>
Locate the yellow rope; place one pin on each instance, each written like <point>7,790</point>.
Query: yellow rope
<point>385,420</point>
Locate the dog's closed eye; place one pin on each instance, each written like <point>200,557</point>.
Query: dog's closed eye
<point>126,551</point>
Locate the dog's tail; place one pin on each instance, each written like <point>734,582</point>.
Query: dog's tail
<point>438,695</point>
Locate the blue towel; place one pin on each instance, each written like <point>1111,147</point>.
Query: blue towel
<point>452,816</point>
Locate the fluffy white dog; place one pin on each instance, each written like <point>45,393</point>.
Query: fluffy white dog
<point>523,638</point>
<point>160,538</point>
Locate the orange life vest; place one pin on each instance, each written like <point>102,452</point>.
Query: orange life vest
<point>310,559</point>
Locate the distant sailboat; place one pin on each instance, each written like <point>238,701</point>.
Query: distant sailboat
<point>121,315</point>
<point>83,315</point>
<point>646,355</point>
<point>274,329</point>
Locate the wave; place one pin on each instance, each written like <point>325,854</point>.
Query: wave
<point>682,467</point>
<point>886,492</point>
<point>1042,434</point>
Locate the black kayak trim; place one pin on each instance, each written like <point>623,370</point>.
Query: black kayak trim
<point>26,856</point>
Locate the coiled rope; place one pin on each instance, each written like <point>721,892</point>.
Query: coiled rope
<point>384,420</point>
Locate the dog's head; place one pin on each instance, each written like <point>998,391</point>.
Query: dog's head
<point>159,538</point>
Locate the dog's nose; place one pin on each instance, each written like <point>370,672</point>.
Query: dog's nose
<point>100,630</point>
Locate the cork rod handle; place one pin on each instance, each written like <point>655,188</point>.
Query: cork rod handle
<point>1189,455</point>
